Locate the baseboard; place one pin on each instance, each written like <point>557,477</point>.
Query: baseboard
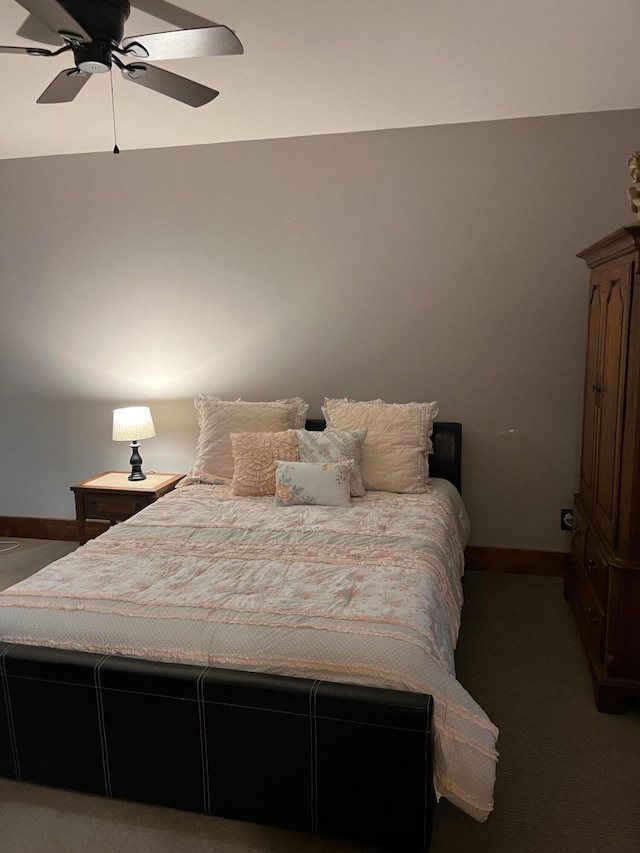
<point>516,561</point>
<point>65,529</point>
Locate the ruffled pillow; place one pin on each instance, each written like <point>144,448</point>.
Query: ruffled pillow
<point>299,483</point>
<point>333,445</point>
<point>219,418</point>
<point>254,460</point>
<point>394,453</point>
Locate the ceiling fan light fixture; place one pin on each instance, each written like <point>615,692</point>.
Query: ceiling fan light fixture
<point>90,67</point>
<point>94,57</point>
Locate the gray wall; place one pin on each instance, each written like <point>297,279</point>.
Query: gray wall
<point>415,264</point>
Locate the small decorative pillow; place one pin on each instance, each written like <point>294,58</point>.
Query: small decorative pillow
<point>394,453</point>
<point>334,445</point>
<point>313,483</point>
<point>218,418</point>
<point>254,460</point>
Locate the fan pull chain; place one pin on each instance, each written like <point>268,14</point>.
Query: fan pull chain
<point>116,150</point>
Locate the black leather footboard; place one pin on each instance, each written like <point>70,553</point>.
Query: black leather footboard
<point>332,759</point>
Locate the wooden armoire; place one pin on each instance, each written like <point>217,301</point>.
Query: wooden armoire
<point>603,576</point>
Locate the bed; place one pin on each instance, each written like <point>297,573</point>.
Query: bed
<point>337,750</point>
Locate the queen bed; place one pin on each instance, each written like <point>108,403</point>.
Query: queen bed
<point>284,663</point>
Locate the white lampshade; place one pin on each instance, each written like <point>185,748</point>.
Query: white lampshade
<point>132,424</point>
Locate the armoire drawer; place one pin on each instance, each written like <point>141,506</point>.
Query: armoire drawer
<point>589,611</point>
<point>597,570</point>
<point>578,535</point>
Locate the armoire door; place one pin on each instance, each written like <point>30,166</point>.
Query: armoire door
<point>591,392</point>
<point>609,397</point>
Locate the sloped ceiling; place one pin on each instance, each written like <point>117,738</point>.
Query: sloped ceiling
<point>333,66</point>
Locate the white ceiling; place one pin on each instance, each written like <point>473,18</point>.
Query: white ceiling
<point>334,66</point>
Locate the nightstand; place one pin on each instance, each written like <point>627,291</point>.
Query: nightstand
<point>113,497</point>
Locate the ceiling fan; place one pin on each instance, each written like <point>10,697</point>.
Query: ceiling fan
<point>94,32</point>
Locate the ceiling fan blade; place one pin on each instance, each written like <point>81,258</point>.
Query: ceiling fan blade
<point>181,18</point>
<point>32,51</point>
<point>34,29</point>
<point>216,40</point>
<point>64,87</point>
<point>55,17</point>
<point>182,89</point>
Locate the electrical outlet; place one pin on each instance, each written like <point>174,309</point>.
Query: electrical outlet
<point>566,519</point>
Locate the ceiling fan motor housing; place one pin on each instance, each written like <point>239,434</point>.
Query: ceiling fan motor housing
<point>104,20</point>
<point>93,57</point>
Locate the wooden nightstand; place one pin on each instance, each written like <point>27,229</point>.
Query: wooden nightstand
<point>113,497</point>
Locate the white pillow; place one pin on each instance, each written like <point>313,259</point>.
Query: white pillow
<point>333,445</point>
<point>394,453</point>
<point>219,418</point>
<point>313,483</point>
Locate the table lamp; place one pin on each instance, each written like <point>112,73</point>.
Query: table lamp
<point>132,424</point>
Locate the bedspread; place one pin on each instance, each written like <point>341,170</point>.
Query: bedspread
<point>369,594</point>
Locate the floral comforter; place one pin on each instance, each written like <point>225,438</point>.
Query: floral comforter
<point>368,594</point>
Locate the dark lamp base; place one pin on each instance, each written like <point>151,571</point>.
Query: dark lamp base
<point>136,463</point>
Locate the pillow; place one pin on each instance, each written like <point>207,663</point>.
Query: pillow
<point>219,418</point>
<point>333,445</point>
<point>313,483</point>
<point>254,460</point>
<point>394,453</point>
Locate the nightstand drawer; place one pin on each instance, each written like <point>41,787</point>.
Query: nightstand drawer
<point>114,507</point>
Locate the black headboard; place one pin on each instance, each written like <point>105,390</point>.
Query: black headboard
<point>446,460</point>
